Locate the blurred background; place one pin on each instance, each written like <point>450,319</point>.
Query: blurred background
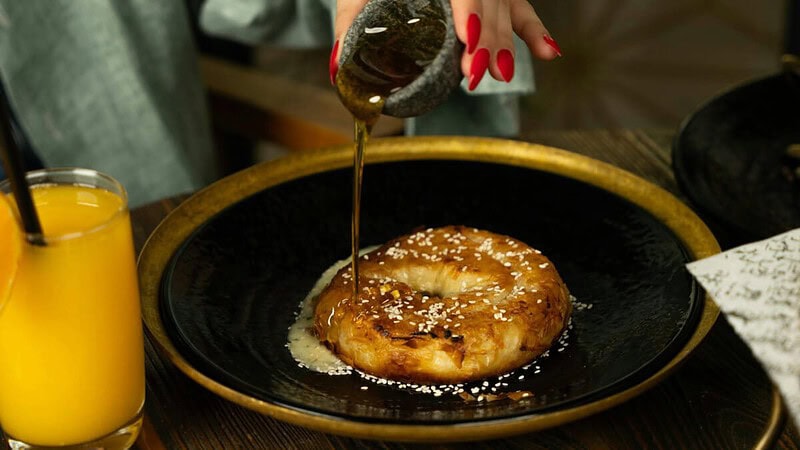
<point>626,64</point>
<point>649,63</point>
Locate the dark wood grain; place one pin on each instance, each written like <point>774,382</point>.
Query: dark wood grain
<point>719,399</point>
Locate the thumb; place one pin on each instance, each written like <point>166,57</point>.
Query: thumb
<point>346,12</point>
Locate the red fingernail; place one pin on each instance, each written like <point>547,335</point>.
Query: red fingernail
<point>473,32</point>
<point>553,44</point>
<point>505,62</point>
<point>480,62</point>
<point>333,64</point>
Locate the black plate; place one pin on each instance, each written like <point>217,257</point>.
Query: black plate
<point>730,158</point>
<point>230,287</point>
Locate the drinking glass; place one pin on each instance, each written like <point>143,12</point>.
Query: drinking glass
<point>71,347</point>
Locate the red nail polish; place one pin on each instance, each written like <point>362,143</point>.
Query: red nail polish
<point>333,64</point>
<point>505,62</point>
<point>480,62</point>
<point>553,44</point>
<point>473,32</point>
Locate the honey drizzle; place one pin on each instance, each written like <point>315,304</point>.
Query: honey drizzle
<point>387,56</point>
<point>362,133</point>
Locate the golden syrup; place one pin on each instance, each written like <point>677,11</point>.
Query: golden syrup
<point>387,56</point>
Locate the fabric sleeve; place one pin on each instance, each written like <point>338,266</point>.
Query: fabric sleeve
<point>112,86</point>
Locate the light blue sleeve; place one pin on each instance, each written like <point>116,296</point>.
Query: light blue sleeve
<point>113,86</point>
<point>285,23</point>
<point>492,109</point>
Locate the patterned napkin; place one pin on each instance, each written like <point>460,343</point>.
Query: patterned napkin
<point>757,286</point>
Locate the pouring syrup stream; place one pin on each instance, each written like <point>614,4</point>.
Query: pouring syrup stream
<point>386,57</point>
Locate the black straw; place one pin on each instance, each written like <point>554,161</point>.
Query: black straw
<point>15,171</point>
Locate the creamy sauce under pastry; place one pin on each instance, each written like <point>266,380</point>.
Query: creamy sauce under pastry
<point>304,346</point>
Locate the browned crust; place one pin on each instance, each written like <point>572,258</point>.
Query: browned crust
<point>444,305</point>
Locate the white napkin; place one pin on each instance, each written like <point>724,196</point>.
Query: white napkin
<point>757,286</point>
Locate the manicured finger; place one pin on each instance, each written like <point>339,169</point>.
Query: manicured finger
<point>497,40</point>
<point>479,63</point>
<point>472,69</point>
<point>467,22</point>
<point>333,63</point>
<point>346,12</point>
<point>530,28</point>
<point>502,66</point>
<point>469,25</point>
<point>489,35</point>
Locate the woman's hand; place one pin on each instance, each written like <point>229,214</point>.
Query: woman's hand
<point>484,26</point>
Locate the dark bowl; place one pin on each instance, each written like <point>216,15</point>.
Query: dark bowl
<point>438,79</point>
<point>730,159</point>
<point>223,274</point>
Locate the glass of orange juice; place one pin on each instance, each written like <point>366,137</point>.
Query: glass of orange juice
<point>71,347</point>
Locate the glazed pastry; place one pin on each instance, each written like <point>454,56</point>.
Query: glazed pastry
<point>445,305</point>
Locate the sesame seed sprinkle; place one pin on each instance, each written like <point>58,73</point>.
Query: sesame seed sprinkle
<point>443,310</point>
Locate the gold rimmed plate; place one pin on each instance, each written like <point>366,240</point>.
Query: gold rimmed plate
<point>223,275</point>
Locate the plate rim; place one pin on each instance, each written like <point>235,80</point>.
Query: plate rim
<point>172,232</point>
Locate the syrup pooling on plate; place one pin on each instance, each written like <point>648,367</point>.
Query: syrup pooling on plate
<point>387,55</point>
<point>311,354</point>
<point>303,344</point>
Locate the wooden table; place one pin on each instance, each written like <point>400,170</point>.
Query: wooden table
<point>719,399</point>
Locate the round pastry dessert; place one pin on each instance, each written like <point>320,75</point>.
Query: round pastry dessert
<point>444,305</point>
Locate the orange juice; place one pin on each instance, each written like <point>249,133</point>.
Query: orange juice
<point>71,348</point>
